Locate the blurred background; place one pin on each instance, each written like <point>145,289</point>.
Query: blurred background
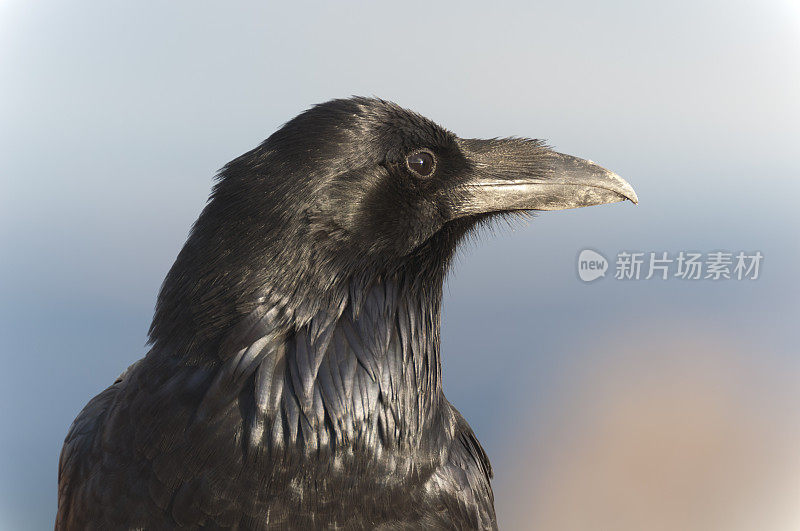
<point>658,405</point>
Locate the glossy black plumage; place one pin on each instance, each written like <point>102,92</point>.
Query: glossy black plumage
<point>294,379</point>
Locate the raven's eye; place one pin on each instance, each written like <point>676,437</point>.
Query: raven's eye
<point>421,162</point>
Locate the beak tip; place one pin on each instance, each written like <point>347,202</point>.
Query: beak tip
<point>625,189</point>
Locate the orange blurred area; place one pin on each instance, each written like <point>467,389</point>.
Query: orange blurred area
<point>659,432</point>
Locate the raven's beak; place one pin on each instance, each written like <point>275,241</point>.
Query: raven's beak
<point>517,174</point>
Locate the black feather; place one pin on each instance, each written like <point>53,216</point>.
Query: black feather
<point>294,378</point>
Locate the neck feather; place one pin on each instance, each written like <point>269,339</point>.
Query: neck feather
<point>364,374</point>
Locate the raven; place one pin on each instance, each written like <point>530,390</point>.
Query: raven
<point>294,378</point>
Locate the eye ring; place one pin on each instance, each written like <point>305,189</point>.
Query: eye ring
<point>421,162</point>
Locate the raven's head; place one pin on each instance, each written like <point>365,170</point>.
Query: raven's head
<point>357,187</point>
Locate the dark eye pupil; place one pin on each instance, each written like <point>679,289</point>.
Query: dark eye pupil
<point>421,163</point>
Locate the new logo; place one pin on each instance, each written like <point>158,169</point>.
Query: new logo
<point>591,265</point>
